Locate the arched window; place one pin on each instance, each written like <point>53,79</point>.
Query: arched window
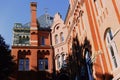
<point>61,37</point>
<point>111,48</point>
<point>58,62</point>
<point>20,39</point>
<point>56,39</point>
<point>63,60</point>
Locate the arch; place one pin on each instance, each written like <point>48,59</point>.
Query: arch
<point>43,51</point>
<point>54,27</point>
<point>19,51</point>
<point>38,51</point>
<point>27,37</point>
<point>57,56</point>
<point>47,52</point>
<point>105,33</point>
<point>111,48</point>
<point>28,52</point>
<point>24,51</point>
<point>23,37</point>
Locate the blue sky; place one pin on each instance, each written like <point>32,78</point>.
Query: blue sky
<point>18,11</point>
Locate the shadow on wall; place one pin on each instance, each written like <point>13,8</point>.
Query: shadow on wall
<point>78,63</point>
<point>34,75</point>
<point>105,76</point>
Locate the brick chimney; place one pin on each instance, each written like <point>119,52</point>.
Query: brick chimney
<point>33,28</point>
<point>33,14</point>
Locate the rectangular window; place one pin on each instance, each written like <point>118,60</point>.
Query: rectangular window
<point>43,64</point>
<point>27,65</point>
<point>23,65</point>
<point>42,40</point>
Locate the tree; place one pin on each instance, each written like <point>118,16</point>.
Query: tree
<point>76,62</point>
<point>6,60</point>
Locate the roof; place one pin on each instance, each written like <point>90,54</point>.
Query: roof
<point>44,21</point>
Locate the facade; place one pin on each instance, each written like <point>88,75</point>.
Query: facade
<point>85,45</point>
<point>32,48</point>
<point>91,40</point>
<point>59,35</point>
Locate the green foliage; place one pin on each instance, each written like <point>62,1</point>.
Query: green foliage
<point>6,60</point>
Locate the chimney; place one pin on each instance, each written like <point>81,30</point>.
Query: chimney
<point>33,28</point>
<point>33,6</point>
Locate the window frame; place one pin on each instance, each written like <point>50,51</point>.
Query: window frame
<point>42,40</point>
<point>111,48</point>
<point>61,37</point>
<point>23,64</point>
<point>56,39</point>
<point>44,65</point>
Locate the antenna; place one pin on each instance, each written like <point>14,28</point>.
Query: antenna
<point>46,10</point>
<point>46,16</point>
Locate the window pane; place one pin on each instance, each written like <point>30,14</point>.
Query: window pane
<point>21,64</point>
<point>26,64</point>
<point>111,48</point>
<point>56,39</point>
<point>58,62</point>
<point>110,34</point>
<point>41,64</point>
<point>46,64</point>
<point>113,56</point>
<point>61,36</point>
<point>42,40</point>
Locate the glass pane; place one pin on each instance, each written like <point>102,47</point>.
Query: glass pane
<point>46,64</point>
<point>21,64</point>
<point>110,34</point>
<point>42,40</point>
<point>41,65</point>
<point>58,62</point>
<point>56,39</point>
<point>26,64</point>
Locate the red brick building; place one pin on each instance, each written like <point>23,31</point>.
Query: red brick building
<point>32,47</point>
<point>86,45</point>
